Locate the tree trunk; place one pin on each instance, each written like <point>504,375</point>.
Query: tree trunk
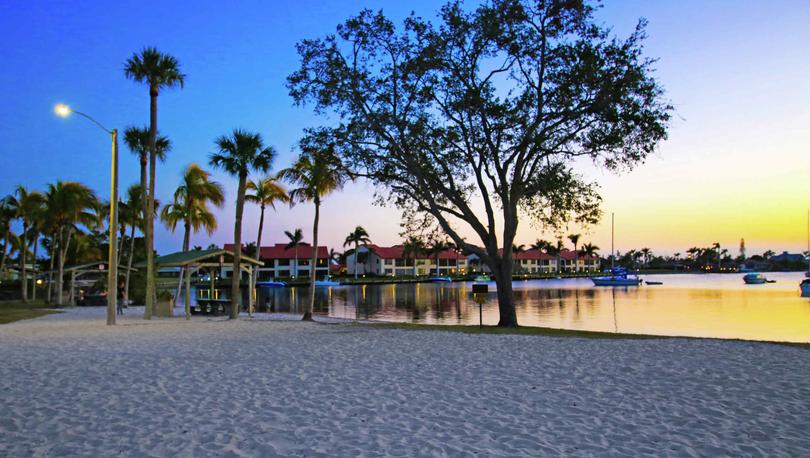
<point>23,270</point>
<point>4,253</point>
<point>237,247</point>
<point>186,246</point>
<point>129,264</point>
<point>150,208</point>
<point>34,283</point>
<point>356,255</point>
<point>255,273</point>
<point>50,270</point>
<point>311,302</point>
<point>506,305</point>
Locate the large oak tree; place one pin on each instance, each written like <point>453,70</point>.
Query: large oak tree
<point>480,118</point>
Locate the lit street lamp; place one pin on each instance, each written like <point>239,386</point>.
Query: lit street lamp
<point>112,277</point>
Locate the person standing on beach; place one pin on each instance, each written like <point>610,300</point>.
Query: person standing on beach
<point>120,302</point>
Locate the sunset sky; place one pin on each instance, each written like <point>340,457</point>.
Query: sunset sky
<point>737,162</point>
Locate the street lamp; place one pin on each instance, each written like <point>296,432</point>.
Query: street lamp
<point>64,111</point>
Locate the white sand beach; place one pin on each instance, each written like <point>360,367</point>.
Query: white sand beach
<point>71,386</point>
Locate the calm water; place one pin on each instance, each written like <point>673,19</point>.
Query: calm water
<point>704,305</point>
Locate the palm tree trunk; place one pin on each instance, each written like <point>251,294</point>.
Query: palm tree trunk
<point>237,247</point>
<point>150,210</point>
<point>258,253</point>
<point>23,270</point>
<point>5,251</point>
<point>34,283</point>
<point>129,264</point>
<point>311,302</point>
<point>186,245</point>
<point>49,298</point>
<point>356,254</point>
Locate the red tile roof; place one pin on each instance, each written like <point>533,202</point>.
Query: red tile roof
<point>279,251</point>
<point>395,252</point>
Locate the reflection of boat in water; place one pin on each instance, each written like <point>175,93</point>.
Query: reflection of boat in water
<point>617,277</point>
<point>270,284</point>
<point>805,287</point>
<point>441,279</point>
<point>482,279</point>
<point>755,279</point>
<point>327,282</point>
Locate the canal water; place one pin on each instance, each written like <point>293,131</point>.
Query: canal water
<point>701,305</point>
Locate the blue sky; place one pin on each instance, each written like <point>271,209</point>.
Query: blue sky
<point>736,164</point>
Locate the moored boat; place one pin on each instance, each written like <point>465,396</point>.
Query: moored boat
<point>440,279</point>
<point>327,281</point>
<point>754,279</point>
<point>270,284</point>
<point>482,279</point>
<point>617,277</point>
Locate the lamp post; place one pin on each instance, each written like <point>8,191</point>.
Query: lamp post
<point>112,276</point>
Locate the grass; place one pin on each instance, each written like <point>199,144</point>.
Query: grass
<point>554,332</point>
<point>522,330</point>
<point>15,311</point>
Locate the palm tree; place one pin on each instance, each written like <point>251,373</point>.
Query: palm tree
<point>295,237</point>
<point>317,172</point>
<point>357,237</point>
<point>436,248</point>
<point>158,71</point>
<point>412,247</point>
<point>589,250</point>
<point>518,248</point>
<point>716,247</point>
<point>556,250</point>
<point>68,203</point>
<point>238,155</point>
<point>190,205</point>
<point>28,206</point>
<point>266,191</point>
<point>647,254</point>
<point>768,253</point>
<point>574,238</point>
<point>7,214</point>
<point>129,215</point>
<point>541,245</point>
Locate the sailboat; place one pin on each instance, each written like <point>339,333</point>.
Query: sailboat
<point>618,276</point>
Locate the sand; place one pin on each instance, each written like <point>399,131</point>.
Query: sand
<point>70,386</point>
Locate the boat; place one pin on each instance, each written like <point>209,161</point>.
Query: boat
<point>270,284</point>
<point>805,287</point>
<point>440,279</point>
<point>482,279</point>
<point>327,281</point>
<point>618,277</point>
<point>754,279</point>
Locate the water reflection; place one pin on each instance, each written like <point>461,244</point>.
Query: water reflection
<point>708,305</point>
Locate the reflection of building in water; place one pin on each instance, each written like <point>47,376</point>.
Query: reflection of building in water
<point>538,262</point>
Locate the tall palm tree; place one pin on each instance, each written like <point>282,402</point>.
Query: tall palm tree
<point>574,238</point>
<point>190,206</point>
<point>238,155</point>
<point>436,247</point>
<point>137,140</point>
<point>265,192</point>
<point>28,206</point>
<point>359,236</point>
<point>412,247</point>
<point>68,204</point>
<point>541,245</point>
<point>38,226</point>
<point>295,237</point>
<point>556,250</point>
<point>129,216</point>
<point>7,214</point>
<point>158,71</point>
<point>716,247</point>
<point>317,173</point>
<point>589,250</point>
<point>647,254</point>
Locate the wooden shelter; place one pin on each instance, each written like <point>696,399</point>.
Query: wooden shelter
<point>211,259</point>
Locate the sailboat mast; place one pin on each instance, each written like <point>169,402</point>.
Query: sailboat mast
<point>612,249</point>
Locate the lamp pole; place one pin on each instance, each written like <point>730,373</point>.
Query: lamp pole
<point>112,274</point>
